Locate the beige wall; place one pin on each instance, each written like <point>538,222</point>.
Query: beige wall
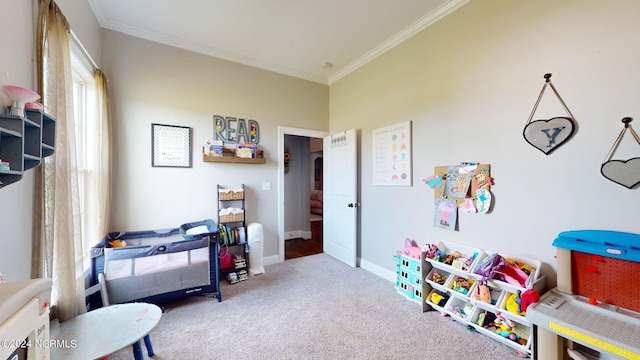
<point>468,84</point>
<point>17,68</point>
<point>84,25</point>
<point>16,200</point>
<point>152,83</point>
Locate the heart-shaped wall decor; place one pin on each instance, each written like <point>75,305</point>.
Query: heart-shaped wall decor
<point>547,135</point>
<point>623,172</point>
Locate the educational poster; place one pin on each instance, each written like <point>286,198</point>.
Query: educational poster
<point>392,155</point>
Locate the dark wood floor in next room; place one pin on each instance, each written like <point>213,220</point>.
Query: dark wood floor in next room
<point>295,248</point>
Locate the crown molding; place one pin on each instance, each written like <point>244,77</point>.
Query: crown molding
<point>98,11</point>
<point>411,30</point>
<point>421,24</point>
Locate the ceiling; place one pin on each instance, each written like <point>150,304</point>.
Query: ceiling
<point>315,40</point>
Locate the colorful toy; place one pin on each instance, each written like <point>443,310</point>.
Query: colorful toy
<point>462,285</point>
<point>431,252</point>
<point>436,298</point>
<point>411,249</point>
<point>490,265</point>
<point>117,243</point>
<point>439,299</point>
<point>481,318</point>
<point>438,278</point>
<point>527,298</point>
<point>513,304</point>
<point>440,256</point>
<point>482,293</point>
<point>512,275</point>
<point>503,323</point>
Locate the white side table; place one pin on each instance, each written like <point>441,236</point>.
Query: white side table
<point>103,331</point>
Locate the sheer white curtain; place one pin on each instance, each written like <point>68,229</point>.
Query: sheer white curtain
<point>57,239</point>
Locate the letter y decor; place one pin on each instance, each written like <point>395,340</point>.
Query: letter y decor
<point>547,135</point>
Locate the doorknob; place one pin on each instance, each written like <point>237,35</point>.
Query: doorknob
<point>353,205</point>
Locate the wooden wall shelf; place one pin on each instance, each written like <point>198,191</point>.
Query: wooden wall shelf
<point>230,158</point>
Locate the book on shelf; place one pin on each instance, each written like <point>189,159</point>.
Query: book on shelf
<point>213,148</point>
<point>232,235</point>
<point>246,150</point>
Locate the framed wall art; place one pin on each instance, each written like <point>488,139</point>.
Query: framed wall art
<point>170,146</point>
<point>392,155</point>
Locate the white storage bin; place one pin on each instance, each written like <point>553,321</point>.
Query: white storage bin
<point>504,285</point>
<point>507,306</point>
<point>461,286</point>
<point>466,252</point>
<point>495,295</point>
<point>436,305</point>
<point>522,332</point>
<point>460,308</point>
<point>432,277</point>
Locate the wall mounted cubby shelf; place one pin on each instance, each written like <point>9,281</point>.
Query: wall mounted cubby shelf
<point>24,142</point>
<point>435,284</point>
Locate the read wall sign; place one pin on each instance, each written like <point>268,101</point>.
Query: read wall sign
<point>233,130</point>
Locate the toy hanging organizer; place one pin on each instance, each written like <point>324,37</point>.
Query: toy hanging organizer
<point>547,135</point>
<point>623,172</point>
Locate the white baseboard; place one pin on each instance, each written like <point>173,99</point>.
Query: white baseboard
<point>296,234</point>
<point>270,260</point>
<point>378,270</point>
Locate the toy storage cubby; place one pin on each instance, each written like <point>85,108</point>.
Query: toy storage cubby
<point>443,276</point>
<point>455,296</point>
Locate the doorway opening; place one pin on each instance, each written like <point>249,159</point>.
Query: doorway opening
<point>302,196</point>
<point>300,183</point>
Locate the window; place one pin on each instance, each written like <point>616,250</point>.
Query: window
<point>85,129</point>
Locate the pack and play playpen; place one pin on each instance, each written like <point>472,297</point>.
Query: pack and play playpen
<point>158,266</point>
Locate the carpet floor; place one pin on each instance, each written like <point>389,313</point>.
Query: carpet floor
<point>313,307</point>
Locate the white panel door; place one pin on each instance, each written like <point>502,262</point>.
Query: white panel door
<point>340,214</point>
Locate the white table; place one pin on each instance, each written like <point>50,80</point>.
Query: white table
<point>103,331</point>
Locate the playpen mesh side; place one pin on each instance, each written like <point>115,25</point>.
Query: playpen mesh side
<point>609,280</point>
<point>138,272</point>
